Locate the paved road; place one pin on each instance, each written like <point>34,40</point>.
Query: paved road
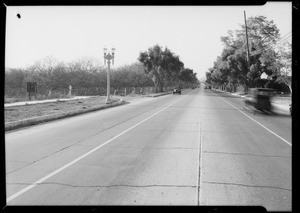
<point>198,148</point>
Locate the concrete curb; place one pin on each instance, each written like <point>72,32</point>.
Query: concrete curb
<point>32,121</point>
<point>6,105</point>
<point>160,94</point>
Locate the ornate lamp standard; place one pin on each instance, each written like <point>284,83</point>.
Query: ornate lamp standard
<point>108,57</point>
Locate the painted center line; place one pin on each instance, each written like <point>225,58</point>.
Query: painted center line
<point>17,194</point>
<point>200,154</point>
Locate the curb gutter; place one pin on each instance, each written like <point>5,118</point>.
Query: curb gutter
<point>32,121</point>
<point>160,94</point>
<point>6,105</point>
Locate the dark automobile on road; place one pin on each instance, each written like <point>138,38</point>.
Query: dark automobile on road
<point>260,98</point>
<point>177,90</point>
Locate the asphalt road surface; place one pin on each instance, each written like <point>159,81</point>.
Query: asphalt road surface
<point>198,148</point>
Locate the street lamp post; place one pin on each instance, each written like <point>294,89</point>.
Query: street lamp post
<point>108,57</point>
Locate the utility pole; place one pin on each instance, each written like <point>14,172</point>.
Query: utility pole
<point>248,53</point>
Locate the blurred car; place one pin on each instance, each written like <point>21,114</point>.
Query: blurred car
<point>177,90</point>
<point>260,98</point>
<point>291,109</point>
<point>248,98</point>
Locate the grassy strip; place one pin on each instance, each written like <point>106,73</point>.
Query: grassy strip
<point>17,113</point>
<point>30,114</point>
<point>49,117</point>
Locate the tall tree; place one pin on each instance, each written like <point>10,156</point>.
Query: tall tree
<point>263,35</point>
<point>281,60</point>
<point>234,67</point>
<point>130,76</point>
<point>15,78</point>
<point>160,65</point>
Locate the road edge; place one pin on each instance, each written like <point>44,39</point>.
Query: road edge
<point>160,94</point>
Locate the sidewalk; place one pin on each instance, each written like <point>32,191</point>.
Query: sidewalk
<point>70,99</point>
<point>159,94</point>
<point>44,101</point>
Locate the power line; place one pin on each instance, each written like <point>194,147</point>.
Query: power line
<point>271,46</point>
<point>285,39</point>
<point>282,38</point>
<point>286,34</point>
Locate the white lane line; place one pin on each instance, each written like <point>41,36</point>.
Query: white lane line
<point>257,122</point>
<point>17,194</point>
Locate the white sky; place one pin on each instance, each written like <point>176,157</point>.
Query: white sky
<point>71,33</point>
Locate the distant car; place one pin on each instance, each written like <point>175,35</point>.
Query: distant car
<point>177,90</point>
<point>205,87</point>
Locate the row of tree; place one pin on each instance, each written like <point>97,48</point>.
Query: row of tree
<point>52,75</point>
<point>269,55</point>
<point>155,68</point>
<point>165,68</point>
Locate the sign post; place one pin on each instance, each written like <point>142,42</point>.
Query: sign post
<point>31,88</point>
